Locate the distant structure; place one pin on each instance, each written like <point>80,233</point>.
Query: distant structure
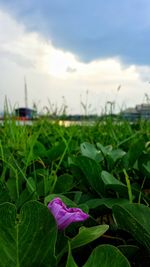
<point>25,113</point>
<point>26,93</point>
<point>139,112</point>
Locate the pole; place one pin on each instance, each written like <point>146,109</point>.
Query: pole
<point>26,93</point>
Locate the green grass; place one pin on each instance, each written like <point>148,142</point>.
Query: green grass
<point>103,169</point>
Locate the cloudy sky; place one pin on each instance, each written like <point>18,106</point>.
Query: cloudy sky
<point>75,53</point>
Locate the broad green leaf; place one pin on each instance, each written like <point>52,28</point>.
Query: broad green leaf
<point>70,259</point>
<point>77,196</point>
<point>112,183</point>
<point>11,186</point>
<point>109,179</point>
<point>27,239</point>
<point>116,154</point>
<point>121,189</point>
<point>134,152</point>
<point>89,150</point>
<point>147,167</point>
<point>113,157</point>
<point>4,194</point>
<point>106,256</point>
<point>64,183</point>
<point>134,218</point>
<point>92,172</point>
<point>143,164</point>
<point>77,172</point>
<point>104,149</point>
<point>56,151</point>
<point>24,197</point>
<point>39,150</point>
<point>107,202</point>
<point>128,250</point>
<point>87,235</point>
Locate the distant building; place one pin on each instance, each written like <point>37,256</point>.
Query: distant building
<point>144,110</point>
<point>139,112</point>
<point>25,113</point>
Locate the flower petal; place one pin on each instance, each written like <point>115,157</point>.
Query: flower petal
<point>64,216</point>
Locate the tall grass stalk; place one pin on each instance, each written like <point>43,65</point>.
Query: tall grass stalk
<point>128,186</point>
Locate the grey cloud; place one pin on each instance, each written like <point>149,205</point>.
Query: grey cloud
<point>90,29</point>
<point>71,70</point>
<point>17,59</point>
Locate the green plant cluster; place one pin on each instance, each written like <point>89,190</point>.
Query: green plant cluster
<point>104,169</point>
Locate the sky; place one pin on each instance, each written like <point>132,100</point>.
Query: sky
<point>79,54</point>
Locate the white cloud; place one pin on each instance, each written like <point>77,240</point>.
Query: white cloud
<point>46,69</point>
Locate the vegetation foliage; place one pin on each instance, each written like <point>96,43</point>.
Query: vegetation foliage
<point>103,169</point>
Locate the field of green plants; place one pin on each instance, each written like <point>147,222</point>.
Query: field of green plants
<point>102,170</point>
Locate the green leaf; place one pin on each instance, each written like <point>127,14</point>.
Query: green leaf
<point>112,183</point>
<point>70,259</point>
<point>92,172</point>
<point>109,179</point>
<point>134,152</point>
<point>116,154</point>
<point>147,167</point>
<point>144,164</point>
<point>106,256</point>
<point>64,183</point>
<point>87,235</point>
<point>25,196</point>
<point>113,157</point>
<point>89,150</point>
<point>27,239</point>
<point>107,202</point>
<point>134,218</point>
<point>128,250</point>
<point>11,186</point>
<point>56,151</point>
<point>104,149</point>
<point>4,194</point>
<point>39,150</point>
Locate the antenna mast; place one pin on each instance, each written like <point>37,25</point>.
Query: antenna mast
<point>26,93</point>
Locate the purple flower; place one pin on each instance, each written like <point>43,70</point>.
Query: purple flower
<point>65,216</point>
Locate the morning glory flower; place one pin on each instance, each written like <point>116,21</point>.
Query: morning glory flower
<point>63,215</point>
